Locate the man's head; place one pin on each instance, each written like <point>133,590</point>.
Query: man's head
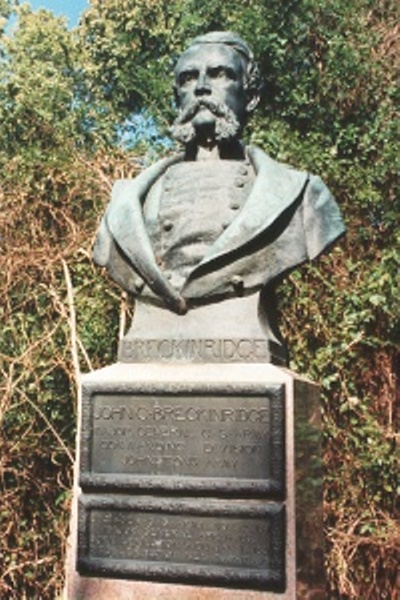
<point>216,87</point>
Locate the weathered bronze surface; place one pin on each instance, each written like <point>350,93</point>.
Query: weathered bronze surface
<point>188,438</point>
<point>232,544</point>
<point>221,220</point>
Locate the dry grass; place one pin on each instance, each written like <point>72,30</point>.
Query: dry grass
<point>47,228</point>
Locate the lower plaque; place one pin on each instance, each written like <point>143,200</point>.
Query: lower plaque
<point>208,542</point>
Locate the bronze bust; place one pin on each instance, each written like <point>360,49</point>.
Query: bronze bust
<point>220,220</point>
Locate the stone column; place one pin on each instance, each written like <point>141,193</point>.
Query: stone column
<point>197,481</point>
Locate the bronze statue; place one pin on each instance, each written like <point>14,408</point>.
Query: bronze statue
<point>220,220</point>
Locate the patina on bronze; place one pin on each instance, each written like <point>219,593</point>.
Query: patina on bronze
<point>219,221</point>
<point>188,455</point>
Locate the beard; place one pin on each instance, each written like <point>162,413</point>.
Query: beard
<point>226,125</point>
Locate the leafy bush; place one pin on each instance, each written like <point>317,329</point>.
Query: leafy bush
<point>329,107</point>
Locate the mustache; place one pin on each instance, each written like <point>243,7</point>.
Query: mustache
<point>227,125</point>
<point>217,108</point>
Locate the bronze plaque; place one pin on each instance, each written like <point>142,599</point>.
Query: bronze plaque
<point>209,542</point>
<point>184,439</point>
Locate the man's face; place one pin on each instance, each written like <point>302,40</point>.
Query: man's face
<point>210,85</point>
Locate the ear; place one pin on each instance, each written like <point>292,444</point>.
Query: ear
<point>176,96</point>
<point>252,102</point>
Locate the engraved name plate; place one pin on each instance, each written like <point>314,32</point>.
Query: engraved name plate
<point>185,438</point>
<point>209,542</point>
<point>221,350</point>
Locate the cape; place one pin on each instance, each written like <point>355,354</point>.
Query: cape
<point>289,217</point>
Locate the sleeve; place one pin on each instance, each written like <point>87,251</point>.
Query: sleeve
<point>102,244</point>
<point>322,219</point>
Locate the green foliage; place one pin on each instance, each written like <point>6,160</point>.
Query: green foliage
<point>330,107</point>
<point>50,289</point>
<point>37,85</point>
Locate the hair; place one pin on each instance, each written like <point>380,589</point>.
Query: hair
<point>253,83</point>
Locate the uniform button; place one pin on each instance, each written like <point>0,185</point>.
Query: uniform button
<point>239,182</point>
<point>234,205</point>
<point>243,170</point>
<point>167,225</point>
<point>236,280</point>
<point>238,284</point>
<point>139,285</point>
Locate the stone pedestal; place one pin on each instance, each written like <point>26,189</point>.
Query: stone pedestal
<point>197,481</point>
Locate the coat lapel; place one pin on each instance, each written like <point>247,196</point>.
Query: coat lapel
<point>124,219</point>
<point>276,187</point>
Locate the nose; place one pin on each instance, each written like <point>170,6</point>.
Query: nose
<point>203,87</point>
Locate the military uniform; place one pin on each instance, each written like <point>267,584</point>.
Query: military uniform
<point>187,233</point>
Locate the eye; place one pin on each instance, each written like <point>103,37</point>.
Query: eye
<point>187,76</point>
<point>216,72</point>
<point>220,72</point>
